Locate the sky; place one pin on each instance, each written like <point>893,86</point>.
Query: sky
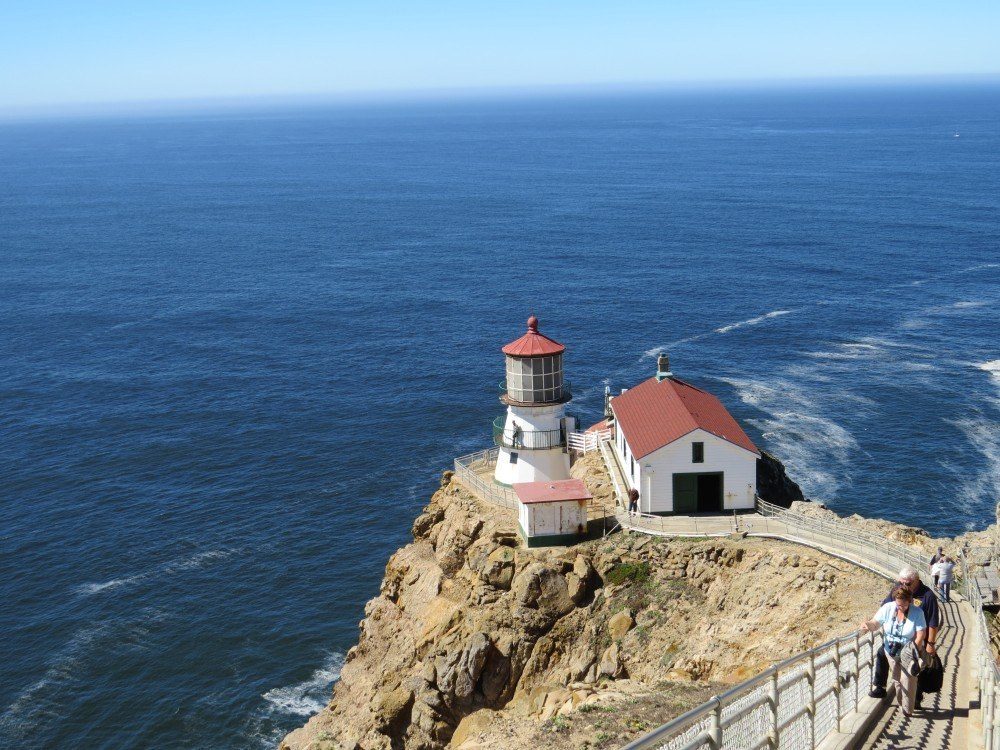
<point>67,52</point>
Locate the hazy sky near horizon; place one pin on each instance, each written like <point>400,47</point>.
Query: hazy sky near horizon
<point>58,52</point>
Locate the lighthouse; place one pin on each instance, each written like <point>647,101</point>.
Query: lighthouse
<point>531,436</point>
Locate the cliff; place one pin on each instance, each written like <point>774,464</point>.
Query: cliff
<point>474,642</point>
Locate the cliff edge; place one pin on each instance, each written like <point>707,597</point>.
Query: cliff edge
<point>475,642</point>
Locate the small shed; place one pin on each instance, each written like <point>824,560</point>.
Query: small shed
<point>552,513</point>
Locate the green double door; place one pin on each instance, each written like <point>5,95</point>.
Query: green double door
<point>698,493</point>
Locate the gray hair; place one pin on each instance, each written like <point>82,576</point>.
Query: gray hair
<point>907,573</point>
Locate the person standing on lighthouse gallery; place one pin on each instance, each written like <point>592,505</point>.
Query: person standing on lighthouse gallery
<point>924,598</point>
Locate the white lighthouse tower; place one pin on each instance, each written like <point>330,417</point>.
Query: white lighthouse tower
<point>532,435</point>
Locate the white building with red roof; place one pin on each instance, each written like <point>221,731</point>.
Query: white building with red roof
<point>681,449</point>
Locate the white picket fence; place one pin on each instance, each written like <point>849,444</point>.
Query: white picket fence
<point>584,442</point>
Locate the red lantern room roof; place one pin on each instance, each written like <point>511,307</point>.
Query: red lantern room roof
<point>533,343</point>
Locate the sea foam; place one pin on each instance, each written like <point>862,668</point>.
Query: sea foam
<point>309,696</point>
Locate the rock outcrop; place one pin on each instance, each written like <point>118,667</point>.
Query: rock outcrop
<point>472,634</point>
<point>774,484</point>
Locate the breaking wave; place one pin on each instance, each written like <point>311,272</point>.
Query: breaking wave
<point>649,353</point>
<point>309,696</point>
<point>815,448</point>
<point>193,562</point>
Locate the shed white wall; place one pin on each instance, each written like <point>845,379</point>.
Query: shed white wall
<point>739,468</point>
<point>551,519</point>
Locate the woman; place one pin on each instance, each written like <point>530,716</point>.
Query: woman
<point>901,624</point>
<point>944,572</point>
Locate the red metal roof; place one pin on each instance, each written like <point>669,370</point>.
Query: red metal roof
<point>604,424</point>
<point>552,492</point>
<point>533,343</point>
<point>654,414</point>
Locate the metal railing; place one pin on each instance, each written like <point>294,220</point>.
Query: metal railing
<point>521,439</point>
<point>793,705</point>
<point>879,553</point>
<point>796,704</point>
<point>564,393</point>
<point>470,469</point>
<point>986,663</point>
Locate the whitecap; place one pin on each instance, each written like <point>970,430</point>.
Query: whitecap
<point>198,560</point>
<point>309,696</point>
<point>816,450</point>
<point>752,321</point>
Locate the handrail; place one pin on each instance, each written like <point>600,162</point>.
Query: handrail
<point>886,552</point>
<point>619,492</point>
<point>565,392</point>
<point>794,704</point>
<point>805,694</point>
<point>988,670</point>
<point>465,469</point>
<point>521,439</point>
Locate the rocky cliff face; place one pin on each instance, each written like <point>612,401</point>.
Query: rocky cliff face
<point>472,635</point>
<point>773,484</point>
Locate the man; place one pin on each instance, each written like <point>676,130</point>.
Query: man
<point>924,598</point>
<point>934,561</point>
<point>633,502</point>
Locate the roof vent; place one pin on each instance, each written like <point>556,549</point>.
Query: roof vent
<point>663,367</point>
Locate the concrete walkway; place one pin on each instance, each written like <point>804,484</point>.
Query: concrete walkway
<point>943,722</point>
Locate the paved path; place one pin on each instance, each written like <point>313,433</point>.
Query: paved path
<point>943,721</point>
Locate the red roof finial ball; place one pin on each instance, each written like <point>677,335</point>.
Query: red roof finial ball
<point>533,324</point>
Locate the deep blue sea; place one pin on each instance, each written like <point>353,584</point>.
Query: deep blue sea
<point>238,350</point>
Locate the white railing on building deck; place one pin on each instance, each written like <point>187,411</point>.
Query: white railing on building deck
<point>584,442</point>
<point>471,469</point>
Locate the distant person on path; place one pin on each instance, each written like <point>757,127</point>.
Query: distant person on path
<point>944,572</point>
<point>934,561</point>
<point>901,624</point>
<point>633,502</point>
<point>923,598</point>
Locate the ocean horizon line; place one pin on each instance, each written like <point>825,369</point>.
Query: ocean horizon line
<point>261,104</point>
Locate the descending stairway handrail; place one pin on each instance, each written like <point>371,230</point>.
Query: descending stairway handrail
<point>987,668</point>
<point>715,725</point>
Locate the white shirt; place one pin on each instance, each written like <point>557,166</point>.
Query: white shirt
<point>944,571</point>
<point>901,632</point>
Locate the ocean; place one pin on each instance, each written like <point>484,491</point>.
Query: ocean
<point>239,349</point>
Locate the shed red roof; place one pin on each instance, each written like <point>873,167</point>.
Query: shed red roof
<point>533,343</point>
<point>654,414</point>
<point>552,492</point>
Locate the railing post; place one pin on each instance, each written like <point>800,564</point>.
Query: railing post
<point>996,720</point>
<point>836,682</point>
<point>811,710</point>
<point>773,738</point>
<point>715,729</point>
<point>986,697</point>
<point>857,669</point>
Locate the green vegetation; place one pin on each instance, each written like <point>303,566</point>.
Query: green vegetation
<point>628,573</point>
<point>558,724</point>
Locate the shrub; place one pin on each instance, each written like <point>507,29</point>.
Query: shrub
<point>628,573</point>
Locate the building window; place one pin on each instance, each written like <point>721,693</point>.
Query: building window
<point>632,464</point>
<point>697,453</point>
<point>513,458</point>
